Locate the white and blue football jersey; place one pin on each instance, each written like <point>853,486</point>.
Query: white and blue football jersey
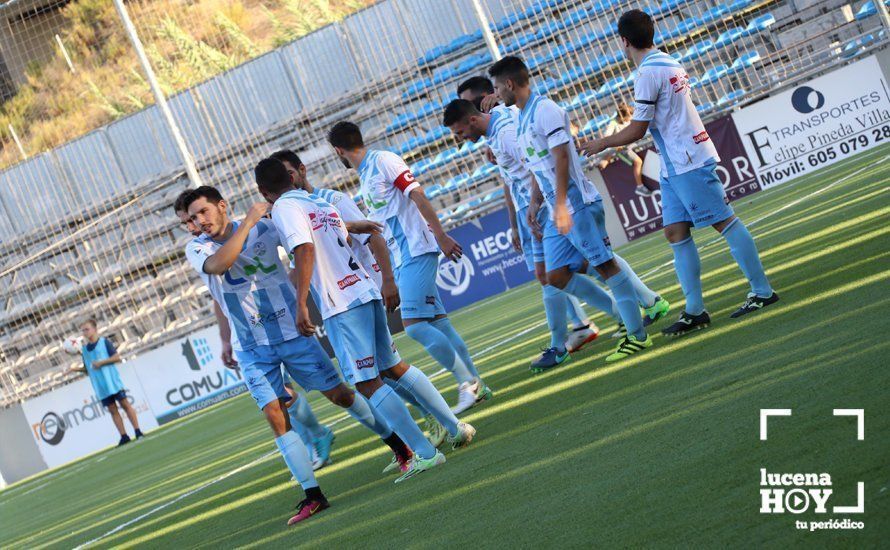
<point>543,125</point>
<point>386,182</point>
<point>662,97</point>
<point>349,212</point>
<point>501,136</point>
<point>339,282</point>
<point>255,293</point>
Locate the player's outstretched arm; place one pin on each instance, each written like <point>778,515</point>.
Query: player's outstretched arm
<point>449,246</point>
<point>364,226</point>
<point>116,358</point>
<point>225,257</point>
<point>632,133</point>
<point>301,277</point>
<point>389,289</point>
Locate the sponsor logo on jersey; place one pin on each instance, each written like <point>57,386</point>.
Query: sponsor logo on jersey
<point>701,137</point>
<point>322,219</point>
<point>431,300</point>
<point>349,280</point>
<point>365,363</point>
<point>259,320</point>
<point>679,83</point>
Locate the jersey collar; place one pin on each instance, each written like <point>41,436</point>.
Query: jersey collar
<point>364,163</point>
<point>495,115</point>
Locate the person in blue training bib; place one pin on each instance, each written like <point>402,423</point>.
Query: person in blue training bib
<point>415,237</point>
<point>365,249</point>
<point>100,360</point>
<point>353,312</point>
<point>692,194</point>
<point>245,275</point>
<point>575,206</point>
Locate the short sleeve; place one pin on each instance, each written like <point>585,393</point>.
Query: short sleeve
<point>350,212</point>
<point>197,252</point>
<point>109,347</point>
<point>397,172</point>
<point>292,224</point>
<point>550,121</point>
<point>645,96</point>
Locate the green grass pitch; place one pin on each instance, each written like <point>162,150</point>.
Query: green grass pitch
<point>660,450</point>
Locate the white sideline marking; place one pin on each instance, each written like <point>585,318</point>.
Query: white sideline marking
<point>169,503</point>
<point>435,374</point>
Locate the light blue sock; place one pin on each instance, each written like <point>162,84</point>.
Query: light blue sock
<point>576,312</point>
<point>368,417</point>
<point>296,456</point>
<point>300,430</point>
<point>391,407</point>
<point>406,396</point>
<point>439,347</point>
<point>585,289</point>
<point>687,264</point>
<point>743,249</point>
<point>645,294</point>
<point>555,310</point>
<point>301,414</point>
<point>444,326</point>
<point>416,382</point>
<point>628,305</point>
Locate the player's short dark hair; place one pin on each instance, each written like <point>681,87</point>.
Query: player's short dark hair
<point>91,321</point>
<point>346,135</point>
<point>511,68</point>
<point>187,197</point>
<point>476,84</point>
<point>272,176</point>
<point>458,110</point>
<point>638,28</point>
<point>288,156</point>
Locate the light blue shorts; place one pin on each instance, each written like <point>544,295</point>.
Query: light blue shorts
<point>303,358</point>
<point>532,248</point>
<point>417,287</point>
<point>695,197</point>
<point>587,240</point>
<point>362,342</point>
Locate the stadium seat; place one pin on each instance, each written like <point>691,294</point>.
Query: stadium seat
<point>610,86</point>
<point>852,47</point>
<point>667,6</point>
<point>760,23</point>
<point>483,172</point>
<point>744,62</point>
<point>731,98</point>
<point>728,37</point>
<point>495,195</point>
<point>442,158</point>
<point>704,107</point>
<point>581,100</point>
<point>416,87</point>
<point>594,125</point>
<point>433,191</point>
<point>417,169</point>
<point>739,5</point>
<point>714,14</point>
<point>712,75</point>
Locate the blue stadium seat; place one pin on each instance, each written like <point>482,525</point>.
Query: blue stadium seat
<point>408,146</point>
<point>495,195</point>
<point>483,172</point>
<point>739,5</point>
<point>611,86</point>
<point>868,9</point>
<point>421,166</point>
<point>432,191</point>
<point>416,87</point>
<point>728,37</point>
<point>760,23</point>
<point>731,98</point>
<point>454,183</point>
<point>442,158</point>
<point>581,100</point>
<point>697,50</point>
<point>744,62</point>
<point>712,75</point>
<point>852,47</point>
<point>594,125</point>
<point>667,6</point>
<point>714,14</point>
<point>401,121</point>
<point>704,107</point>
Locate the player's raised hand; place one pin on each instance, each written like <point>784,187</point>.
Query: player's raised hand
<point>489,102</point>
<point>304,323</point>
<point>228,358</point>
<point>591,147</point>
<point>364,226</point>
<point>257,212</point>
<point>390,292</point>
<point>450,247</point>
<point>562,218</point>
